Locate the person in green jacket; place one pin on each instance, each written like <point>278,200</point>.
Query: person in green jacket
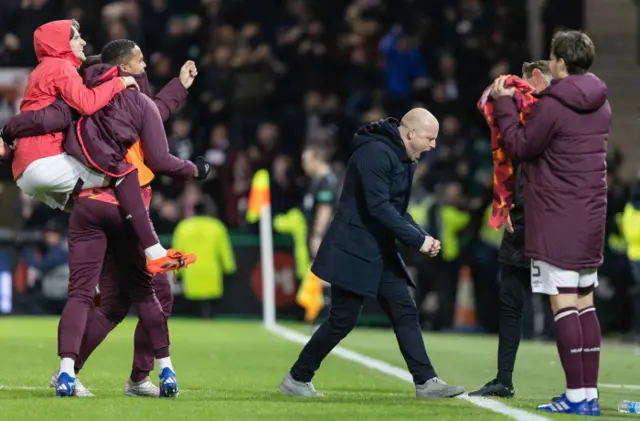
<point>209,239</point>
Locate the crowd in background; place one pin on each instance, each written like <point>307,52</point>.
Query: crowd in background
<point>278,75</point>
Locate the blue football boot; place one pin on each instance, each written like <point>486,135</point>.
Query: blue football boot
<point>65,385</point>
<point>594,405</point>
<point>168,384</point>
<point>565,406</point>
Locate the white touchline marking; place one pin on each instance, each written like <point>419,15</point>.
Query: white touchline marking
<point>620,386</point>
<point>5,387</point>
<point>386,368</point>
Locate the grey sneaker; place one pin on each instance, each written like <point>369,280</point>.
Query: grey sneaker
<point>142,388</point>
<point>292,387</point>
<point>436,388</point>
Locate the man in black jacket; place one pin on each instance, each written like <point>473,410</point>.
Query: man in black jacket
<point>358,255</point>
<point>515,282</point>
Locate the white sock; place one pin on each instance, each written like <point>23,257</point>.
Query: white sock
<point>66,366</point>
<point>154,252</point>
<point>164,363</point>
<point>591,393</point>
<point>576,395</point>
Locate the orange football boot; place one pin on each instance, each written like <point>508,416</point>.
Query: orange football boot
<point>173,261</point>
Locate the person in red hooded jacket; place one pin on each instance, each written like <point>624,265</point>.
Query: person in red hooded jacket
<point>40,166</point>
<point>129,60</point>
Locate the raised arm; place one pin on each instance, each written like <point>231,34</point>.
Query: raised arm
<point>155,145</point>
<point>170,98</point>
<point>86,101</point>
<point>528,141</point>
<point>55,118</point>
<point>375,170</point>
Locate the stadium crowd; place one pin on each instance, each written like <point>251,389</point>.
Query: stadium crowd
<point>276,76</point>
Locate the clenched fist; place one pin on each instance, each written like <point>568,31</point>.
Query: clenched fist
<point>430,247</point>
<point>188,73</point>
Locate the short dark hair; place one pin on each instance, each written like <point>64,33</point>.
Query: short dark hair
<point>88,62</point>
<point>75,27</point>
<point>542,65</point>
<point>116,51</point>
<point>575,48</point>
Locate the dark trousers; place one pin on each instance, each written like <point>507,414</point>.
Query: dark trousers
<point>95,229</point>
<point>395,300</point>
<point>515,290</point>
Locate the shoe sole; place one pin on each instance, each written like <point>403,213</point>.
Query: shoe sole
<point>140,395</point>
<point>568,413</point>
<point>65,395</point>
<point>168,267</point>
<point>170,392</point>
<point>289,392</point>
<point>446,393</point>
<point>491,395</point>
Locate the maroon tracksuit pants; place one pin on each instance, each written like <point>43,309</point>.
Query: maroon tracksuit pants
<point>113,308</point>
<point>99,236</point>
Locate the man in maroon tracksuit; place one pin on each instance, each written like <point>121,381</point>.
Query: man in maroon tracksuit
<point>129,59</point>
<point>563,145</point>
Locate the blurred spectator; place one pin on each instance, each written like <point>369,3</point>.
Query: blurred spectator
<point>207,237</point>
<point>405,70</point>
<point>285,193</point>
<point>180,143</point>
<point>50,269</point>
<point>167,217</point>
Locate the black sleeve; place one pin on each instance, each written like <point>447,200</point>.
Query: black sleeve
<point>326,192</point>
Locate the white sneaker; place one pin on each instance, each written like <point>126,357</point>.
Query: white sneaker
<point>81,391</point>
<point>142,388</point>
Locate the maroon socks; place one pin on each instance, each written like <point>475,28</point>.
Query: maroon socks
<point>127,191</point>
<point>569,342</point>
<point>591,338</point>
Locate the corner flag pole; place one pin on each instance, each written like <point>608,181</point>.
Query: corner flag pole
<point>260,208</point>
<point>268,272</point>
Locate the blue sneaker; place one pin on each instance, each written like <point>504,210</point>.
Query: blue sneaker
<point>65,385</point>
<point>594,406</point>
<point>565,406</point>
<point>168,384</point>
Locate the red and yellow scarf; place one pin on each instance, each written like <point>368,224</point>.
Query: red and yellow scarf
<point>504,177</point>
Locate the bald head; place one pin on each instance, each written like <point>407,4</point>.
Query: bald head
<point>419,130</point>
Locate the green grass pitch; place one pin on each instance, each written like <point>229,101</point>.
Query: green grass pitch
<point>231,370</point>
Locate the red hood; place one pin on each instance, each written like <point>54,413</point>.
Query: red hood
<point>52,40</point>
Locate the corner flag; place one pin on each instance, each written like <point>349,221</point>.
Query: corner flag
<point>259,195</point>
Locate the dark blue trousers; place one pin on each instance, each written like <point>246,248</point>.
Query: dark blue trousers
<point>395,300</point>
